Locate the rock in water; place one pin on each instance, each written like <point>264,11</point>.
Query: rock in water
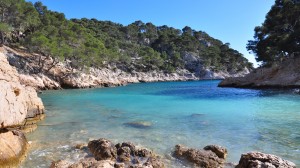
<point>262,160</point>
<point>210,157</point>
<point>13,146</point>
<point>103,149</point>
<point>108,155</point>
<point>220,151</point>
<point>60,164</point>
<point>139,124</point>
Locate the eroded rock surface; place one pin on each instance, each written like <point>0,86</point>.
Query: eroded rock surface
<point>211,156</point>
<point>262,160</point>
<point>107,155</point>
<point>103,149</point>
<point>17,102</point>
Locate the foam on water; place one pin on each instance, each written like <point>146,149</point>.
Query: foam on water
<point>192,113</point>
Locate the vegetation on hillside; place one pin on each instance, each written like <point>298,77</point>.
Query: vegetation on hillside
<point>279,35</point>
<point>90,42</point>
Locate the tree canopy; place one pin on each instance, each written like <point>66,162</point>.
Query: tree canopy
<point>279,35</point>
<point>90,42</point>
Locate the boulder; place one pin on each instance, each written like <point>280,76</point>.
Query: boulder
<point>220,151</point>
<point>13,146</point>
<point>262,160</point>
<point>103,149</point>
<point>121,155</point>
<point>206,158</point>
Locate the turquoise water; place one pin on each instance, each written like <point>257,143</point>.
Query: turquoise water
<point>192,113</point>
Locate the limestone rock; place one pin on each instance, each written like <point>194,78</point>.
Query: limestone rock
<point>283,75</point>
<point>20,107</point>
<point>39,81</point>
<point>206,158</point>
<point>262,160</point>
<point>64,76</point>
<point>16,101</point>
<point>13,146</point>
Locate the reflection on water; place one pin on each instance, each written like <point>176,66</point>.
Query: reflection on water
<point>192,113</point>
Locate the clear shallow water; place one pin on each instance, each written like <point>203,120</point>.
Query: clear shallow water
<point>192,113</point>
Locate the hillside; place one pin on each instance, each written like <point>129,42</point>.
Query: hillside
<point>137,47</point>
<point>276,45</point>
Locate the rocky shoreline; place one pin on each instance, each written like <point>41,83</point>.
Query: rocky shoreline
<point>63,75</point>
<point>281,75</point>
<point>103,153</point>
<point>21,109</point>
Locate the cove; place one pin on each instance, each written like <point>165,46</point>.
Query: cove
<point>160,115</point>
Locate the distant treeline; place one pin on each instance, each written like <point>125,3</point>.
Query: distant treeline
<point>90,42</point>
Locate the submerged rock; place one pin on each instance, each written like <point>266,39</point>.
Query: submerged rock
<point>262,160</point>
<point>81,146</point>
<point>210,157</point>
<point>196,115</point>
<point>139,124</point>
<point>60,164</point>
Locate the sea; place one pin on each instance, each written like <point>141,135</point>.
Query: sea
<point>192,113</point>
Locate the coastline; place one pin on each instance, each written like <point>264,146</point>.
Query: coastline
<point>75,81</point>
<point>283,75</point>
<point>116,115</point>
<point>62,75</point>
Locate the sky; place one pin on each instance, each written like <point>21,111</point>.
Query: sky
<point>231,21</point>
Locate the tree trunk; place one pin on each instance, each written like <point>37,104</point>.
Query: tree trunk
<point>41,64</point>
<point>54,63</point>
<point>2,39</point>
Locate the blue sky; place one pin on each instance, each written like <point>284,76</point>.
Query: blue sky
<point>230,21</point>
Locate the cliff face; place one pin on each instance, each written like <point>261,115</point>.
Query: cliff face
<point>63,75</point>
<point>17,102</point>
<point>18,105</point>
<point>283,75</point>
